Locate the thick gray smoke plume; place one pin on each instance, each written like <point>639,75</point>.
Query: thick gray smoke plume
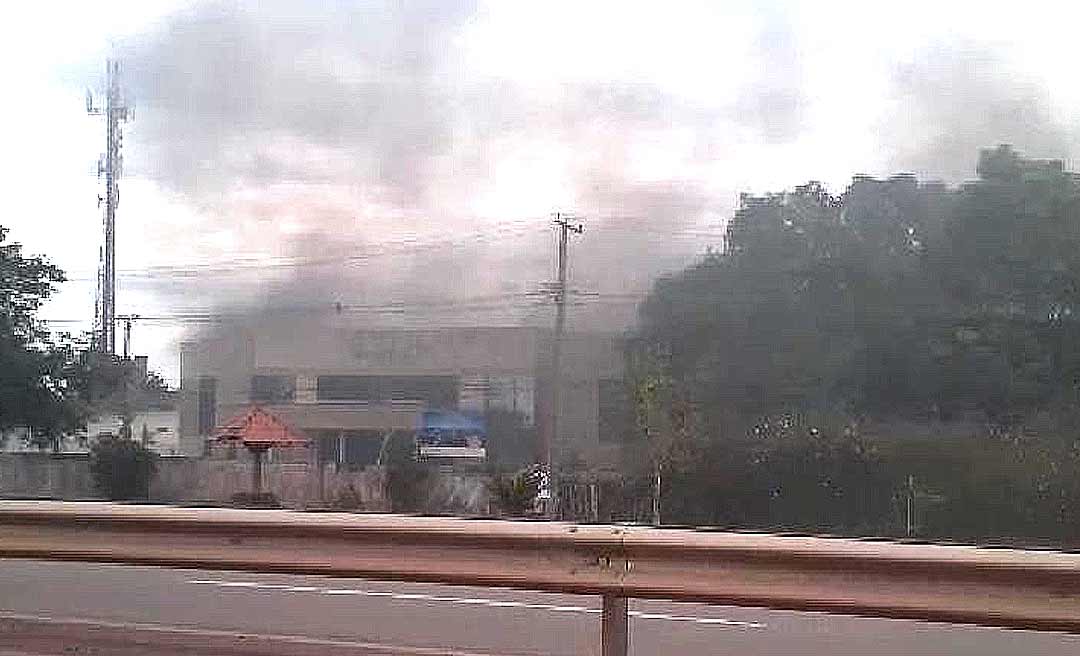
<point>314,130</point>
<point>354,140</point>
<point>953,100</point>
<point>259,94</point>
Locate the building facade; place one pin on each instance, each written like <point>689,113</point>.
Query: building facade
<point>349,387</point>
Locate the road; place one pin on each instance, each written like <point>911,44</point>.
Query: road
<point>56,607</point>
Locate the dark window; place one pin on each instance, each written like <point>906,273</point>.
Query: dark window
<point>273,389</point>
<point>436,391</point>
<point>328,445</point>
<point>362,449</point>
<point>207,405</point>
<point>349,450</point>
<point>348,388</point>
<point>616,411</point>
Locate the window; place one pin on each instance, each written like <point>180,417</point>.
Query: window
<point>349,450</point>
<point>362,449</point>
<point>273,389</point>
<point>436,391</point>
<point>349,389</point>
<point>207,402</point>
<point>306,389</point>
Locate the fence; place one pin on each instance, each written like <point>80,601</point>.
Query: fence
<point>194,480</point>
<point>991,587</point>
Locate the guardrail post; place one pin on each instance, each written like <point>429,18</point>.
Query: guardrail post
<point>614,633</point>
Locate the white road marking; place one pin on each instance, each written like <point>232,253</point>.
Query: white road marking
<point>377,647</point>
<point>238,584</point>
<point>471,601</point>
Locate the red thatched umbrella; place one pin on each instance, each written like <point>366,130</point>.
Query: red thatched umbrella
<point>259,431</point>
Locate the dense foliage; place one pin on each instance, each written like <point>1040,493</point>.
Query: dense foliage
<point>51,383</point>
<point>838,345</point>
<point>407,483</point>
<point>38,374</point>
<point>122,468</point>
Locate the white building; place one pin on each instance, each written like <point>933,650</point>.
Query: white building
<point>161,428</point>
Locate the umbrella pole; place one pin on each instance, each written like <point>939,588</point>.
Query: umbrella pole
<point>256,472</point>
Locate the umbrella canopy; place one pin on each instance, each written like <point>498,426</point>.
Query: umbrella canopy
<point>257,429</point>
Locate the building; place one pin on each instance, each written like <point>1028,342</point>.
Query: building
<point>158,428</point>
<point>349,387</point>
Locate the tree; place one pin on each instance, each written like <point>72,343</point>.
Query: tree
<point>513,494</point>
<point>407,482</point>
<point>803,355</point>
<point>37,372</point>
<point>122,468</point>
<point>663,417</point>
<point>112,385</point>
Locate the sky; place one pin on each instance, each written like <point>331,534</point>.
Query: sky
<point>403,159</point>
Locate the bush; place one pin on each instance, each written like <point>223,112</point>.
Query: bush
<point>408,482</point>
<point>253,500</point>
<point>122,468</point>
<point>513,495</point>
<point>348,499</point>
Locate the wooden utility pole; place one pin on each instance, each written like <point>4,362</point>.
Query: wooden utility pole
<point>565,225</point>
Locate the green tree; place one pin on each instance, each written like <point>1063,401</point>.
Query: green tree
<point>122,468</point>
<point>513,494</point>
<point>898,306</point>
<point>407,482</point>
<point>37,372</point>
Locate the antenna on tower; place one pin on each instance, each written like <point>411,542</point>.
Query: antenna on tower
<point>116,112</point>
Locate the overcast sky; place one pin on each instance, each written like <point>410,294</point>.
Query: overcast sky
<point>377,152</point>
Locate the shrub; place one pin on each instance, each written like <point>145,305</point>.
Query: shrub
<point>407,482</point>
<point>253,500</point>
<point>513,495</point>
<point>122,468</point>
<point>348,499</point>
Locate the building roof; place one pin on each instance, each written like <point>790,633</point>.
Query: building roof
<point>258,429</point>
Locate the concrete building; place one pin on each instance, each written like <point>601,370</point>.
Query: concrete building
<point>159,427</point>
<point>348,387</point>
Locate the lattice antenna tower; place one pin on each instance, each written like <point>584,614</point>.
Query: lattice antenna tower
<point>110,166</point>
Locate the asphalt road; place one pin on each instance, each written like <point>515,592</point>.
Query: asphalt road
<point>307,614</point>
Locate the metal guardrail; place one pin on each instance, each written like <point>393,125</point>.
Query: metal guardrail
<point>1011,588</point>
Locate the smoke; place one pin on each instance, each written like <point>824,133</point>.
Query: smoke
<point>773,104</point>
<point>359,147</point>
<point>353,141</point>
<point>951,101</point>
<point>275,92</point>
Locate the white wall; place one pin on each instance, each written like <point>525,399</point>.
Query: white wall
<point>163,429</point>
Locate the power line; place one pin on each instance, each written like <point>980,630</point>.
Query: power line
<point>258,264</point>
<point>495,302</point>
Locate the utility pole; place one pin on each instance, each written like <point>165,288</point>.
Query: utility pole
<point>564,225</point>
<point>656,497</point>
<point>110,165</point>
<point>127,319</point>
<point>910,505</point>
